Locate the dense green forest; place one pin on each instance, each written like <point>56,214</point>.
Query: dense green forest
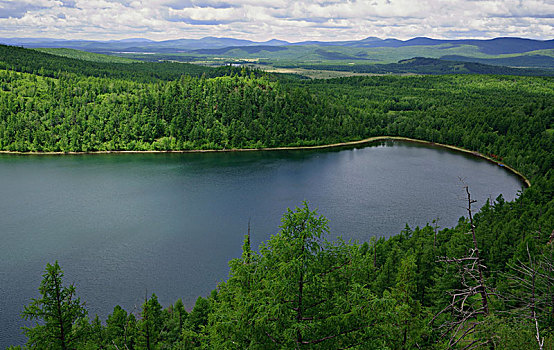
<point>424,65</point>
<point>429,287</point>
<point>50,65</point>
<point>85,56</point>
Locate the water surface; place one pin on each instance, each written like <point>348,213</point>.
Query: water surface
<point>125,225</point>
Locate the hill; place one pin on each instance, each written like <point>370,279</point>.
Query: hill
<point>85,56</point>
<point>299,290</point>
<point>539,59</point>
<point>494,46</point>
<point>520,52</point>
<point>46,64</point>
<point>137,44</point>
<point>423,65</point>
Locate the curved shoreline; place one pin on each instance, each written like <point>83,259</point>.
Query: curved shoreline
<point>332,145</point>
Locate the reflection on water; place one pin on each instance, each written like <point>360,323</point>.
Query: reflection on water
<point>122,225</point>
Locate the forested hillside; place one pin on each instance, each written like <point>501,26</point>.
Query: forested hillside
<point>85,56</point>
<point>45,64</point>
<point>423,65</point>
<point>487,283</point>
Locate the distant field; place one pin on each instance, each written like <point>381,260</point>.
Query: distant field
<point>313,73</point>
<point>333,62</point>
<point>86,56</point>
<point>322,57</point>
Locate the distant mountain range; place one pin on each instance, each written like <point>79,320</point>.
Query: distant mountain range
<point>328,55</point>
<point>138,44</point>
<point>495,46</point>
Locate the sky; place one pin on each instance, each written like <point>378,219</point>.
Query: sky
<point>291,20</point>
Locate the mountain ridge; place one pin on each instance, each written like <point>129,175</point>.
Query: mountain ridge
<point>500,45</point>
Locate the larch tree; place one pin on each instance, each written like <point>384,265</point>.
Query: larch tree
<point>150,325</point>
<point>298,292</point>
<point>57,314</point>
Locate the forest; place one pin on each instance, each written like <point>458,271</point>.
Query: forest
<point>424,65</point>
<point>44,64</point>
<point>487,283</point>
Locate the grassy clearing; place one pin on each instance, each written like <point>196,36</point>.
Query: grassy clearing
<point>313,73</point>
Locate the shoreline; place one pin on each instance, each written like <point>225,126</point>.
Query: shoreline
<point>293,148</point>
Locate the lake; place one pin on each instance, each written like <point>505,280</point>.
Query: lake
<point>125,225</point>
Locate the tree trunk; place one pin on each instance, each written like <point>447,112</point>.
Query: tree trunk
<point>60,315</point>
<point>483,291</point>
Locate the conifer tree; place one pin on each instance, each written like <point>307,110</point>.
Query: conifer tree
<point>151,323</point>
<point>297,292</point>
<point>57,313</point>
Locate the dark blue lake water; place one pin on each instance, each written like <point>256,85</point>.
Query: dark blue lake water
<point>122,225</point>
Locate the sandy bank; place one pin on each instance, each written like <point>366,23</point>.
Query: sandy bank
<point>340,144</point>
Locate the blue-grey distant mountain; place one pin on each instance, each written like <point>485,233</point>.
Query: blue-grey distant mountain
<point>524,52</point>
<point>131,40</point>
<point>491,46</point>
<point>538,61</point>
<point>495,46</point>
<point>367,42</point>
<point>138,45</point>
<point>248,49</point>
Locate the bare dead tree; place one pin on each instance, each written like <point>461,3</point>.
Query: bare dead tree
<point>467,311</point>
<point>478,261</point>
<point>435,228</point>
<point>531,297</point>
<point>527,275</point>
<point>547,265</point>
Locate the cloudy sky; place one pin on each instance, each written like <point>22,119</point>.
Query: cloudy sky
<point>292,20</point>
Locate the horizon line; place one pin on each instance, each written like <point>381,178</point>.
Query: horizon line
<point>268,40</point>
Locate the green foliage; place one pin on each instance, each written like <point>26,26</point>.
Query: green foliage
<point>50,65</point>
<point>175,323</point>
<point>150,325</point>
<point>121,329</point>
<point>495,52</point>
<point>506,118</point>
<point>85,56</point>
<point>57,314</point>
<point>424,65</point>
<point>298,290</point>
<point>410,321</point>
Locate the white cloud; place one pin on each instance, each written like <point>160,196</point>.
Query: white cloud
<point>282,19</point>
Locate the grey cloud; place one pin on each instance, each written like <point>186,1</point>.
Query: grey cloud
<point>214,5</point>
<point>528,15</point>
<point>331,27</point>
<point>181,5</point>
<point>201,22</point>
<point>312,19</point>
<point>69,3</point>
<point>178,5</point>
<point>12,9</point>
<point>123,2</point>
<point>293,20</point>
